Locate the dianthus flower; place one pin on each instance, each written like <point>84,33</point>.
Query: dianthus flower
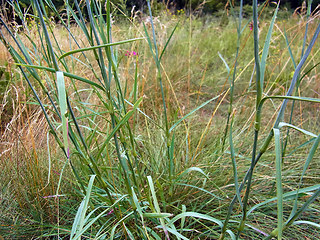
<point>129,54</point>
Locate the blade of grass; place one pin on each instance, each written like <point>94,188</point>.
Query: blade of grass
<point>286,196</point>
<point>279,182</point>
<point>96,47</point>
<point>193,111</point>
<point>79,222</point>
<point>305,167</point>
<point>70,75</point>
<point>63,109</point>
<point>292,219</point>
<point>167,42</point>
<point>156,205</point>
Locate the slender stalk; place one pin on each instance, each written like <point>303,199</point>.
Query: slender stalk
<point>158,65</point>
<point>234,71</point>
<point>257,122</point>
<point>298,83</point>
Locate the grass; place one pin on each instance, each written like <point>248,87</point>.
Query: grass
<point>107,143</point>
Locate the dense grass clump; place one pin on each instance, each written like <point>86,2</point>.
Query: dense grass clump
<point>166,127</point>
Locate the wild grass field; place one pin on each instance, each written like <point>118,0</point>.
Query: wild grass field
<point>169,126</point>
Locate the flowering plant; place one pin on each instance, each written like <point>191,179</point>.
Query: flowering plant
<point>133,53</point>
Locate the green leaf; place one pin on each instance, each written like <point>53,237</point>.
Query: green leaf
<point>189,170</point>
<point>266,46</point>
<point>307,222</point>
<point>233,237</point>
<point>193,111</point>
<point>66,74</point>
<point>156,205</point>
<point>81,213</point>
<point>286,196</point>
<point>195,215</point>
<point>279,181</point>
<point>283,124</point>
<point>305,167</point>
<point>225,63</point>
<point>157,215</point>
<point>176,233</point>
<point>234,164</point>
<point>63,109</point>
<point>165,46</point>
<point>96,47</point>
<point>112,233</point>
<point>119,125</point>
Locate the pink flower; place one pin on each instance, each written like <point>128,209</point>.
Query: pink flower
<point>56,172</point>
<point>111,211</point>
<point>251,25</point>
<point>129,54</point>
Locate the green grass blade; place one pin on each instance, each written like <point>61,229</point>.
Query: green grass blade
<point>63,109</point>
<point>286,196</point>
<point>305,167</point>
<point>266,46</point>
<point>153,32</point>
<point>99,56</point>
<point>231,234</point>
<point>283,124</point>
<point>74,120</point>
<point>311,155</point>
<point>307,26</point>
<point>156,205</point>
<point>113,231</point>
<point>136,203</point>
<point>171,156</point>
<point>304,99</point>
<point>149,43</point>
<point>154,234</point>
<point>158,65</point>
<point>304,207</point>
<point>281,112</point>
<point>167,42</point>
<point>313,224</point>
<point>225,63</point>
<point>193,111</point>
<point>76,220</point>
<point>46,34</point>
<point>81,213</point>
<point>66,74</point>
<point>289,49</point>
<point>183,219</point>
<point>195,215</point>
<point>292,219</point>
<point>157,215</point>
<point>234,164</point>
<point>296,75</point>
<point>96,47</point>
<point>189,170</point>
<point>176,233</point>
<point>129,233</point>
<point>256,50</point>
<point>90,223</point>
<point>49,158</point>
<point>123,121</point>
<point>279,181</point>
<point>300,146</point>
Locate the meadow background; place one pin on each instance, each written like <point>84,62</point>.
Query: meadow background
<point>197,122</point>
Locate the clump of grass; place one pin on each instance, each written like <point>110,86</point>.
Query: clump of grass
<point>145,163</point>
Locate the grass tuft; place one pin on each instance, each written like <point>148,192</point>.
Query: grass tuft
<point>154,128</point>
